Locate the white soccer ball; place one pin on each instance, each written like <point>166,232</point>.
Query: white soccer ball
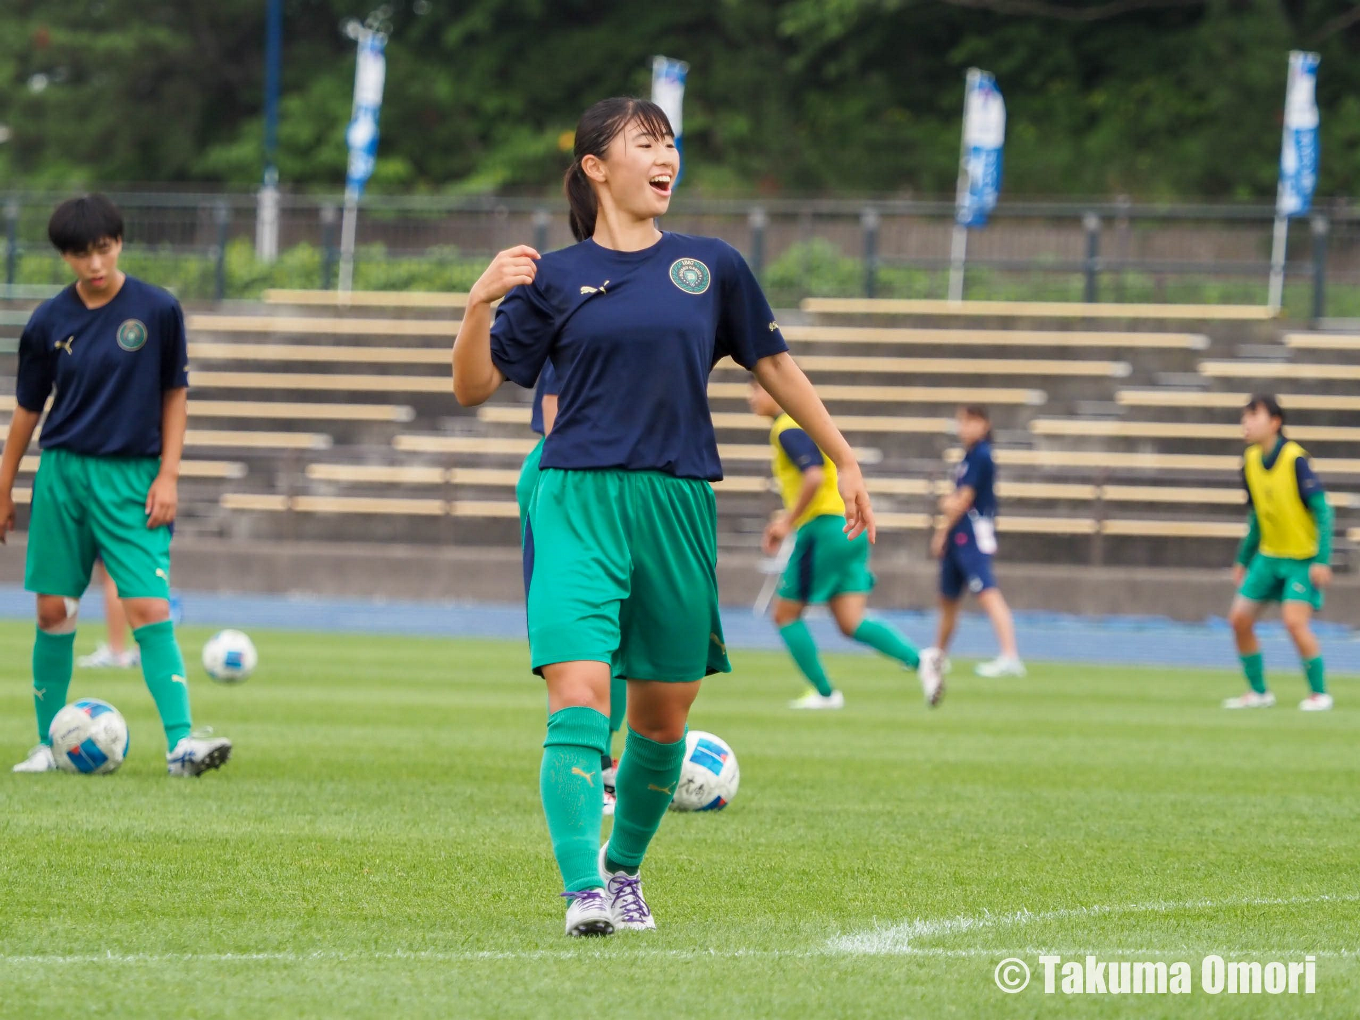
<point>89,736</point>
<point>230,657</point>
<point>709,777</point>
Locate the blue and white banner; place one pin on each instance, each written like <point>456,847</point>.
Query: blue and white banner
<point>362,133</point>
<point>984,135</point>
<point>1299,150</point>
<point>668,92</point>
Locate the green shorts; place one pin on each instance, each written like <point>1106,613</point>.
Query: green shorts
<point>1273,579</point>
<point>825,563</point>
<point>528,478</point>
<point>88,507</point>
<point>622,567</point>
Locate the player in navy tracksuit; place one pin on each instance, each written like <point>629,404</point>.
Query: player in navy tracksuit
<point>965,543</point>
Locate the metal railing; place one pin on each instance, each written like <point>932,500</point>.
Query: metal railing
<point>203,244</point>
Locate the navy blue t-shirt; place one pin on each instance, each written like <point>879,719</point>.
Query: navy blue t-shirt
<point>546,387</point>
<point>977,470</point>
<point>632,337</point>
<point>110,368</point>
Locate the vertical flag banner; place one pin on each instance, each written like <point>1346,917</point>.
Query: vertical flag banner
<point>984,134</point>
<point>1299,149</point>
<point>668,92</point>
<point>370,71</point>
<point>1298,163</point>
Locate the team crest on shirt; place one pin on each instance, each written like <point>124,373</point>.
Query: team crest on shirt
<point>132,335</point>
<point>690,275</point>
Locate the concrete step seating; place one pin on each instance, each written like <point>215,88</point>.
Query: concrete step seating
<point>366,298</point>
<point>1160,398</point>
<point>238,439</point>
<point>276,410</point>
<point>1036,309</point>
<point>1231,431</point>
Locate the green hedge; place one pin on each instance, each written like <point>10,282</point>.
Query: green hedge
<point>815,268</point>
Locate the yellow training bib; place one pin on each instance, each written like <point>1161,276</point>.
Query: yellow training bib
<point>790,478</point>
<point>1288,530</point>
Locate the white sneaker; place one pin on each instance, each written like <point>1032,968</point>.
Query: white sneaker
<point>193,756</point>
<point>609,801</point>
<point>588,913</point>
<point>105,657</point>
<point>1312,703</point>
<point>1251,700</point>
<point>623,893</point>
<point>39,760</point>
<point>1002,665</point>
<point>814,700</point>
<point>931,672</point>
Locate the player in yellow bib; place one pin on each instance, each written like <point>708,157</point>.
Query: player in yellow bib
<point>1285,555</point>
<point>825,565</point>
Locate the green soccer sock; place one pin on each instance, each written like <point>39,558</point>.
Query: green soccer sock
<point>1254,666</point>
<point>1312,669</point>
<point>799,641</point>
<point>573,802</point>
<point>883,638</point>
<point>53,663</point>
<point>166,678</point>
<point>648,774</point>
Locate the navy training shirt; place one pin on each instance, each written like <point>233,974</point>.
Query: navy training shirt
<point>546,387</point>
<point>110,367</point>
<point>632,337</point>
<point>977,470</point>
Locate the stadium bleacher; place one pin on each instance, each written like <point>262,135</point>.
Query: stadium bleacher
<point>336,420</point>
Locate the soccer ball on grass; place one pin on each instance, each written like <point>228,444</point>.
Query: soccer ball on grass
<point>89,736</point>
<point>709,777</point>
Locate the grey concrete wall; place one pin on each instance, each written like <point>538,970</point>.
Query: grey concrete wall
<point>495,574</point>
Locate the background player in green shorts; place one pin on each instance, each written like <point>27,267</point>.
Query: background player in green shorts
<point>113,349</point>
<point>620,546</point>
<point>825,567</point>
<point>1285,555</point>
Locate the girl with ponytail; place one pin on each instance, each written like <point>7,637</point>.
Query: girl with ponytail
<point>620,539</point>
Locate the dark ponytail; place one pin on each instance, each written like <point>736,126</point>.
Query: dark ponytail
<point>597,128</point>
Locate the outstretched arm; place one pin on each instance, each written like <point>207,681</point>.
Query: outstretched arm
<point>781,377</point>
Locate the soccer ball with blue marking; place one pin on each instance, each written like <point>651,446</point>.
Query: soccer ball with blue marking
<point>709,777</point>
<point>229,657</point>
<point>89,736</point>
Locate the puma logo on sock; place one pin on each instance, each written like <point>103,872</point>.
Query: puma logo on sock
<point>177,679</point>
<point>669,791</point>
<point>589,777</point>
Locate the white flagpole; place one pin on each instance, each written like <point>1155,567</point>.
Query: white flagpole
<point>1275,295</point>
<point>958,247</point>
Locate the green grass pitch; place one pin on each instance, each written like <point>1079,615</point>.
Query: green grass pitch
<point>376,847</point>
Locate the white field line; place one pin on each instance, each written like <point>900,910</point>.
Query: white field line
<point>896,940</point>
<point>623,955</point>
<point>899,938</point>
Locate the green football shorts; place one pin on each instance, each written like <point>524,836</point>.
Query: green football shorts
<point>1275,579</point>
<point>621,567</point>
<point>88,507</point>
<point>825,563</point>
<point>528,478</point>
